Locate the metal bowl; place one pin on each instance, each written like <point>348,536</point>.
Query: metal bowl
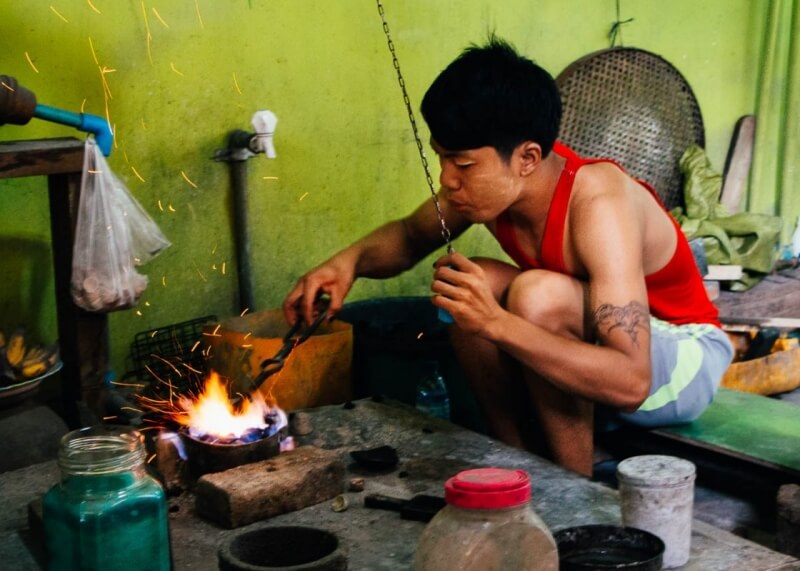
<point>603,547</point>
<point>206,457</point>
<point>283,548</point>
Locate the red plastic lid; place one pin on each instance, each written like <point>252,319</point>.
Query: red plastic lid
<point>488,488</point>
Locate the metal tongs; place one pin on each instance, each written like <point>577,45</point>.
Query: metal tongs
<point>296,335</point>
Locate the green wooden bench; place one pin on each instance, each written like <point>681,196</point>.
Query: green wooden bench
<point>752,428</point>
<point>744,443</point>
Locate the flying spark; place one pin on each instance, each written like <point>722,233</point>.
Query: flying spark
<point>94,54</point>
<point>172,66</point>
<point>269,177</point>
<point>302,197</point>
<point>236,83</point>
<point>57,14</point>
<point>199,17</point>
<point>160,19</point>
<point>149,35</point>
<point>161,208</point>
<point>92,6</point>
<point>202,277</point>
<point>137,173</point>
<point>28,57</point>
<point>11,89</point>
<point>187,179</point>
<point>121,384</point>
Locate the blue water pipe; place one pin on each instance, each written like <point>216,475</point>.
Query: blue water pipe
<point>85,122</point>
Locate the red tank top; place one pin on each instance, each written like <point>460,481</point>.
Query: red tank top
<point>675,292</point>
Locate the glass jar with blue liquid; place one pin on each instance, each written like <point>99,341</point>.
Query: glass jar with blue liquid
<point>107,513</point>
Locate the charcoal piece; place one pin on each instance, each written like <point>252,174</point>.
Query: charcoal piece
<point>379,458</point>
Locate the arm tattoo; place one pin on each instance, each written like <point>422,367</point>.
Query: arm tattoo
<point>630,318</point>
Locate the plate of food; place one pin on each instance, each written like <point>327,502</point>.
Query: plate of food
<point>24,365</point>
<point>11,387</point>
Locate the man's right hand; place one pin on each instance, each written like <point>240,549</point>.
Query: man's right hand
<point>334,277</point>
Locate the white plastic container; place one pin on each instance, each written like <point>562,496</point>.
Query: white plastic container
<point>657,495</point>
<point>487,524</point>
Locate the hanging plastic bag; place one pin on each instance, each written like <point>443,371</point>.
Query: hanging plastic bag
<point>113,235</point>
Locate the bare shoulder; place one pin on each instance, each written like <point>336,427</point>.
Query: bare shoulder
<point>603,190</point>
<point>611,208</point>
<point>604,179</point>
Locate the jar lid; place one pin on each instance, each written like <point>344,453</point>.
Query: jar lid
<point>654,470</point>
<point>488,488</point>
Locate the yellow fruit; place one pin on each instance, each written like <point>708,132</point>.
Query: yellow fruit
<point>35,353</point>
<point>51,356</point>
<point>15,350</point>
<point>31,369</point>
<point>38,361</point>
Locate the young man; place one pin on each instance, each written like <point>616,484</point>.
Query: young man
<point>604,305</point>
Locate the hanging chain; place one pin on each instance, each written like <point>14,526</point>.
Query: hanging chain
<point>407,101</point>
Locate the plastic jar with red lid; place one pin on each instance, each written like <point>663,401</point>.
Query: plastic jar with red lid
<point>487,524</point>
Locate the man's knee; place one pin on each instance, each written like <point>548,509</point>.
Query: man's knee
<point>551,300</point>
<point>498,274</point>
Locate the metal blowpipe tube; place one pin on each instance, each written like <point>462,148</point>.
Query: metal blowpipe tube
<point>18,105</point>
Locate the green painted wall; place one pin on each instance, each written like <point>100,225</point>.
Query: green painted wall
<point>183,73</point>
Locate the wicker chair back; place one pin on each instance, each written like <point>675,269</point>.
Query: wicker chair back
<point>636,108</point>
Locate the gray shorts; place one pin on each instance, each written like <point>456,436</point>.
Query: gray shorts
<point>687,364</point>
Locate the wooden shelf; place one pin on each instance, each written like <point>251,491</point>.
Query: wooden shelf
<point>82,336</point>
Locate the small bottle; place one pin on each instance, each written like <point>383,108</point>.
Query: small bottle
<point>488,523</point>
<point>444,316</point>
<point>432,397</point>
<point>107,513</point>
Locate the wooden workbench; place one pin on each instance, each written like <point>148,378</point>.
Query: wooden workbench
<point>430,451</point>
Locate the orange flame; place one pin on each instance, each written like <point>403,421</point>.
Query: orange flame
<point>214,414</point>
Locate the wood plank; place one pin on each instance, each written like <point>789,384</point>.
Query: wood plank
<point>759,429</point>
<point>737,166</point>
<point>755,323</point>
<point>41,157</point>
<point>777,295</point>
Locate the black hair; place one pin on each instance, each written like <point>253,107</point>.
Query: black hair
<point>492,96</point>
